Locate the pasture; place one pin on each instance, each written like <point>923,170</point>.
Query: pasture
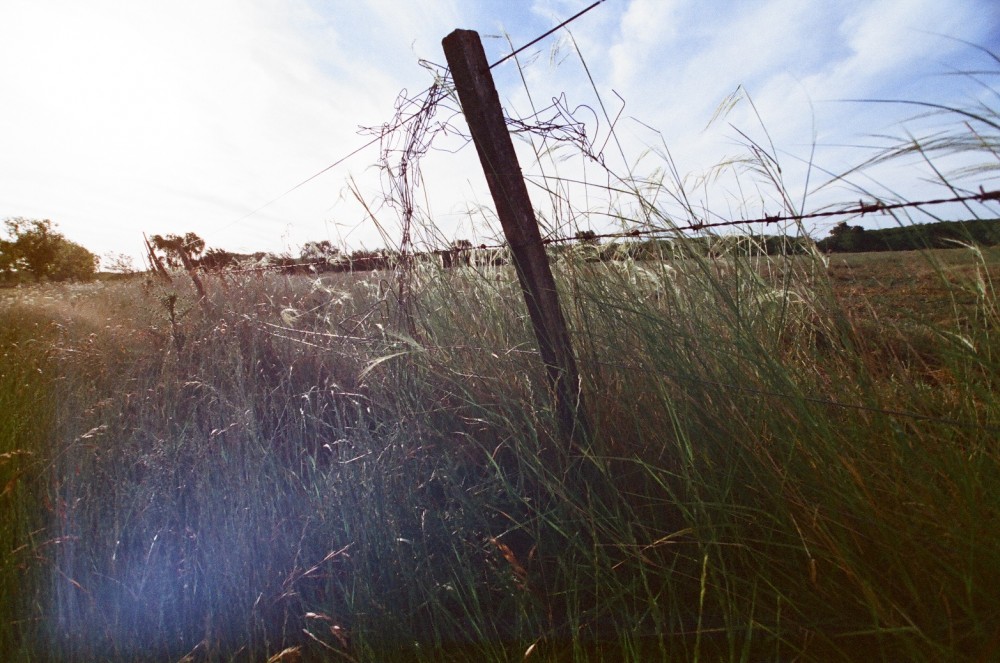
<point>790,459</point>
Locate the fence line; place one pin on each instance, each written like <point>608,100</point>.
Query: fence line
<point>878,207</point>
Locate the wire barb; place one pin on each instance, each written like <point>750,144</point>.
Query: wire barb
<point>987,195</point>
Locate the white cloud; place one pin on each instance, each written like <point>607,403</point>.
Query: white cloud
<point>647,27</point>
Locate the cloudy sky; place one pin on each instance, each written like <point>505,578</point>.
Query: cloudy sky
<point>119,117</point>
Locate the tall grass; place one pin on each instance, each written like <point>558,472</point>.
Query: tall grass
<point>778,469</point>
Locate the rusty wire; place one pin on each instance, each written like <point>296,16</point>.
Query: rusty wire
<point>862,208</point>
<point>403,142</point>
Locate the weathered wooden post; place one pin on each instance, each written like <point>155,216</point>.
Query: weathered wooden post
<point>481,105</point>
<point>154,261</point>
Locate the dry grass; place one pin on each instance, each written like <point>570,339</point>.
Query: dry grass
<point>203,486</point>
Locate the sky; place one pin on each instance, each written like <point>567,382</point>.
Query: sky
<point>124,117</point>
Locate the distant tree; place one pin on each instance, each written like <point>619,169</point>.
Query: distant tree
<point>33,246</point>
<point>588,237</point>
<point>7,259</point>
<point>322,254</point>
<point>179,251</point>
<point>218,259</point>
<point>73,262</point>
<point>845,239</point>
<point>37,250</point>
<point>118,263</point>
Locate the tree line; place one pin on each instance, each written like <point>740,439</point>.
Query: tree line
<point>32,250</point>
<point>189,251</point>
<point>323,256</point>
<point>846,238</point>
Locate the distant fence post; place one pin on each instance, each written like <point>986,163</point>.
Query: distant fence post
<point>154,261</point>
<point>481,105</point>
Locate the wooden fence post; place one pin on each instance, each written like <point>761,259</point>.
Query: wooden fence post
<point>481,105</point>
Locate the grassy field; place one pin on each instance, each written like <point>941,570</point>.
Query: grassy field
<point>790,459</point>
<point>915,286</point>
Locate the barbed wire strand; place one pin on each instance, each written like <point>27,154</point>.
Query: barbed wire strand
<point>863,208</point>
<point>543,36</point>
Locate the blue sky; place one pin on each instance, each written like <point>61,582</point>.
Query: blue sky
<point>127,116</point>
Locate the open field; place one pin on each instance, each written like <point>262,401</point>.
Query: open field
<point>912,286</point>
<point>790,459</point>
